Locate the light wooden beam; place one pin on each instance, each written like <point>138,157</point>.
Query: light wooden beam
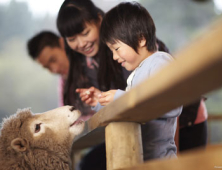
<point>123,145</point>
<point>192,160</point>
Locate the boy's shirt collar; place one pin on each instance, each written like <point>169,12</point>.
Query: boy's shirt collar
<point>144,60</point>
<point>130,78</point>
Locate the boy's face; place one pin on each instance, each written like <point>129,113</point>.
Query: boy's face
<point>55,60</point>
<point>125,55</point>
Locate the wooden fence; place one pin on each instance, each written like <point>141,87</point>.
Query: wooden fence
<point>196,71</point>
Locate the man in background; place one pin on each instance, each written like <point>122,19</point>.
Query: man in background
<point>48,49</point>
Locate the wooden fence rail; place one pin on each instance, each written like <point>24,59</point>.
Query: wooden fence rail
<point>196,71</point>
<point>197,159</point>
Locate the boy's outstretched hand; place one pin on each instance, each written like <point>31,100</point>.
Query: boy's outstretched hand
<point>89,96</point>
<point>106,97</point>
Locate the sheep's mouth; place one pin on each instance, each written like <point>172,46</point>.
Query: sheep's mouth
<point>77,122</point>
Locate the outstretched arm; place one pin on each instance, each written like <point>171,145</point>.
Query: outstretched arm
<point>107,97</point>
<point>89,96</point>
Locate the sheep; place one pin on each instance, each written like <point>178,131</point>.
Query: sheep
<point>39,141</point>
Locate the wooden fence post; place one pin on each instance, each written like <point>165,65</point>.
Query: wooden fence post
<point>123,145</point>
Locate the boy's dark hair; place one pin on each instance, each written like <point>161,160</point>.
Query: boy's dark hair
<point>73,15</point>
<point>41,40</point>
<point>129,23</point>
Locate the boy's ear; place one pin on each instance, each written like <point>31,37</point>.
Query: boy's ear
<point>142,42</point>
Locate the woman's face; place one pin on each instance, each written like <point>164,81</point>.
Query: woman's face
<point>87,42</point>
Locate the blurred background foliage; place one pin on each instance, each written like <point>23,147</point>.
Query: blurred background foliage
<point>24,83</point>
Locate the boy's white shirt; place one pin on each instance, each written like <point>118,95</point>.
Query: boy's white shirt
<point>130,78</point>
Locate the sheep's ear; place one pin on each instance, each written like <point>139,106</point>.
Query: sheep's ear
<point>19,144</point>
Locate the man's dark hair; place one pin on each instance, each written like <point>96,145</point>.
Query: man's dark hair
<point>41,40</point>
<point>129,23</point>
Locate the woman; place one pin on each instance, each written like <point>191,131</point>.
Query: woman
<point>79,24</point>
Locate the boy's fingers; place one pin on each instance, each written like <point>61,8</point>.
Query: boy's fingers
<point>83,92</point>
<point>88,101</point>
<point>86,97</point>
<point>92,88</point>
<point>104,94</point>
<point>80,90</point>
<point>82,95</point>
<point>87,92</point>
<point>103,103</point>
<point>102,99</point>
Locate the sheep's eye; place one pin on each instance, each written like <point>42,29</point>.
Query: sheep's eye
<point>37,127</point>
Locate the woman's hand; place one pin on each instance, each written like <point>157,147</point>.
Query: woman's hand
<point>106,97</point>
<point>89,96</point>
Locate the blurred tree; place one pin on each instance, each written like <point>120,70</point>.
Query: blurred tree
<point>178,21</point>
<point>15,20</point>
<point>23,82</point>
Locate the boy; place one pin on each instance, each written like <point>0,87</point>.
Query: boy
<point>129,32</point>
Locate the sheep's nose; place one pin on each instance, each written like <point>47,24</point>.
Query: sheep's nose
<point>72,108</point>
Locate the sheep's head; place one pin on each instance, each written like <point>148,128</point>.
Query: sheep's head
<point>51,132</point>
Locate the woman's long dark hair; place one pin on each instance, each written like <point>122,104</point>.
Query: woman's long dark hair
<point>162,46</point>
<point>76,78</point>
<point>71,20</point>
